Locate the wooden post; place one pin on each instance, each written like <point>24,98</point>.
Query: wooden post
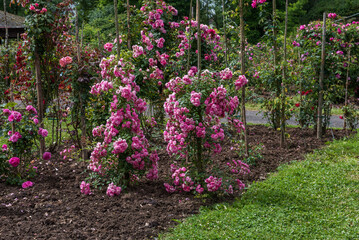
<point>6,27</point>
<point>321,78</point>
<point>82,107</point>
<point>275,63</point>
<point>117,29</point>
<point>99,41</point>
<point>346,88</point>
<point>77,36</point>
<point>301,90</point>
<point>189,38</point>
<point>128,26</point>
<point>82,35</point>
<point>243,72</point>
<point>40,103</point>
<point>225,35</point>
<point>283,120</point>
<point>199,38</point>
<point>7,81</point>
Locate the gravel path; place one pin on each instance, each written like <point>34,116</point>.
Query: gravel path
<point>258,118</point>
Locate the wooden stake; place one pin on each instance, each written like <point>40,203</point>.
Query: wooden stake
<point>99,41</point>
<point>321,78</point>
<point>82,35</point>
<point>189,38</point>
<point>117,29</point>
<point>199,38</point>
<point>6,27</point>
<point>225,35</point>
<point>243,72</point>
<point>283,120</point>
<point>40,103</point>
<point>346,88</point>
<point>128,26</point>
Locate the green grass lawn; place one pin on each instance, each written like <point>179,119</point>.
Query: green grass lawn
<point>313,199</point>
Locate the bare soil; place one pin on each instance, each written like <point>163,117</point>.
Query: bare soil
<point>54,208</point>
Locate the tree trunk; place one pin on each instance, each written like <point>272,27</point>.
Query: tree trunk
<point>321,78</point>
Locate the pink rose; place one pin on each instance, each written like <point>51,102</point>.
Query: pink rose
<point>46,156</point>
<point>108,47</point>
<point>27,184</point>
<point>14,161</point>
<point>4,148</point>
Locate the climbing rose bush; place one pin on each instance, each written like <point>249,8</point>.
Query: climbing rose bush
<point>16,160</point>
<point>123,152</point>
<point>194,131</point>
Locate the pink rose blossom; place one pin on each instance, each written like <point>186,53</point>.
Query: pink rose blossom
<point>43,132</point>
<point>113,190</point>
<point>108,47</point>
<point>85,188</point>
<point>46,156</point>
<point>14,161</point>
<point>27,184</point>
<point>4,148</point>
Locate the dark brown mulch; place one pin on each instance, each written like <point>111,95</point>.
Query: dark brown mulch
<point>55,209</point>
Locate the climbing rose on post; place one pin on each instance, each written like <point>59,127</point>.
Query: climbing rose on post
<point>194,130</point>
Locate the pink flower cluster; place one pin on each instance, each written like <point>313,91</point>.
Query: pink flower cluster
<point>67,152</point>
<point>119,146</point>
<point>113,190</point>
<point>226,74</point>
<point>137,51</point>
<point>108,47</point>
<point>65,61</point>
<point>213,183</point>
<point>27,184</point>
<point>196,98</point>
<point>33,8</point>
<point>14,137</point>
<point>31,109</point>
<point>332,15</point>
<point>46,156</point>
<point>14,115</point>
<point>240,82</point>
<point>238,167</point>
<point>296,44</point>
<point>99,88</point>
<point>85,188</point>
<point>43,132</point>
<point>4,148</point>
<point>14,161</point>
<point>256,2</point>
<point>181,180</point>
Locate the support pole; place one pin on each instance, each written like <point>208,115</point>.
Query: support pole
<point>243,71</point>
<point>117,29</point>
<point>283,120</point>
<point>321,78</point>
